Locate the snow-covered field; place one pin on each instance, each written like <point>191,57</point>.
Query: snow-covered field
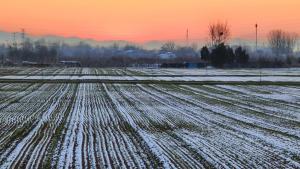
<point>152,75</point>
<point>218,78</point>
<point>99,125</point>
<point>277,71</point>
<point>145,72</point>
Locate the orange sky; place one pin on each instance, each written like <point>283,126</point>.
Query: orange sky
<point>144,20</point>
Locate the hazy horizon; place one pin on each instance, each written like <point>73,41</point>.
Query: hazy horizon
<point>7,37</point>
<point>144,21</point>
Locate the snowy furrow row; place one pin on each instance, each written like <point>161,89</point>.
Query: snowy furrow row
<point>98,136</point>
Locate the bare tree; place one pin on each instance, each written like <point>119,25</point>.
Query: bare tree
<point>281,42</point>
<point>219,33</point>
<point>168,47</point>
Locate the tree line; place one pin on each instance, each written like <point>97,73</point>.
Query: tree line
<point>38,51</point>
<point>281,43</point>
<point>221,54</point>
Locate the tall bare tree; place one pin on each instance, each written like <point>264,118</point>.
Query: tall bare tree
<point>281,42</point>
<point>168,47</point>
<point>219,33</point>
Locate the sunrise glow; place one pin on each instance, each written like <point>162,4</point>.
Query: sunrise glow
<point>145,20</point>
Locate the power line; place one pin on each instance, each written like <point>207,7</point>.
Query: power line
<point>14,39</point>
<point>23,34</point>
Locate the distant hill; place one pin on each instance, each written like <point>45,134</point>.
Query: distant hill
<point>7,37</point>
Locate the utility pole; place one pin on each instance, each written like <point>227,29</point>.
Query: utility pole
<point>23,43</point>
<point>187,36</point>
<point>23,34</point>
<point>259,59</point>
<point>256,27</point>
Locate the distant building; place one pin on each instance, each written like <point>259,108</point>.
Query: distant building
<point>34,64</point>
<point>195,65</point>
<point>167,55</point>
<point>186,65</point>
<point>70,63</point>
<point>28,63</point>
